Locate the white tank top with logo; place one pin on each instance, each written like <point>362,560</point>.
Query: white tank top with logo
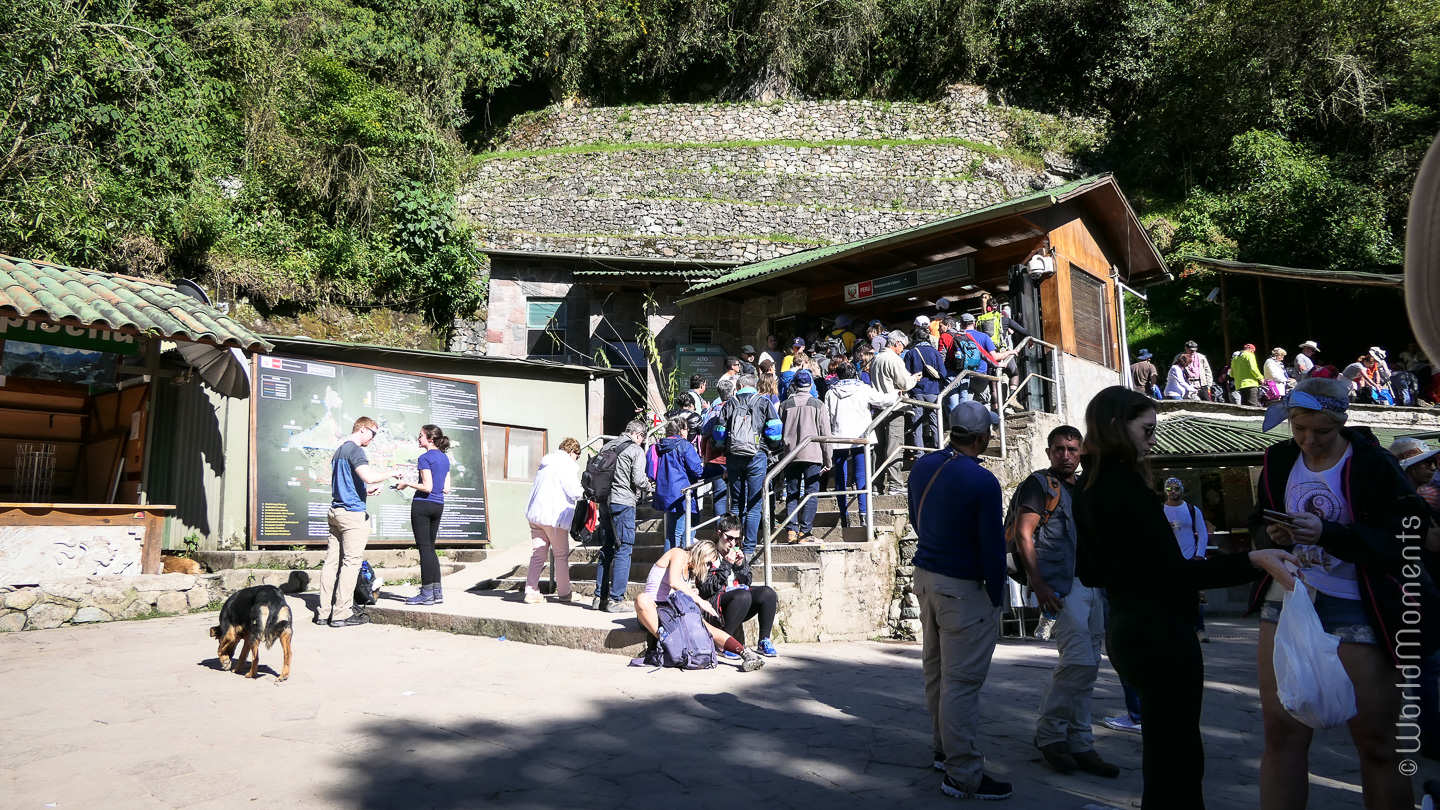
<point>1322,493</point>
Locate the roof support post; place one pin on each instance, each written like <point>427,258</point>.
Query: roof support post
<point>1264,319</point>
<point>1224,315</point>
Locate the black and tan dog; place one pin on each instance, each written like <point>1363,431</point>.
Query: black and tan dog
<point>254,615</point>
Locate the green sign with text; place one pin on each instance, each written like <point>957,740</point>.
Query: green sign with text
<point>73,337</point>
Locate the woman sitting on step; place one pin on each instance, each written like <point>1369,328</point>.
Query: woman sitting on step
<point>675,571</point>
<point>725,584</point>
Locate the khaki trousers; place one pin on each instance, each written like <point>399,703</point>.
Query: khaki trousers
<point>348,533</point>
<point>1079,635</point>
<point>961,628</point>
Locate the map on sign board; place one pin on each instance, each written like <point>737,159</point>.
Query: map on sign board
<point>303,409</point>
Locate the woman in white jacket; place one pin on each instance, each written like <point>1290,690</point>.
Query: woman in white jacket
<point>1176,386</point>
<point>849,401</point>
<point>550,512</point>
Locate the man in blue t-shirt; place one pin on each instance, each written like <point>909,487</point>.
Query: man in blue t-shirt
<point>351,480</point>
<point>960,580</point>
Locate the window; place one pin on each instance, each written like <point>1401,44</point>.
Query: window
<point>702,335</point>
<point>545,325</point>
<point>512,453</point>
<point>1092,324</point>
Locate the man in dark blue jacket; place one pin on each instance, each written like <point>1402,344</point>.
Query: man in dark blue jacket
<point>960,581</point>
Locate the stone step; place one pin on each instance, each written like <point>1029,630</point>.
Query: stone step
<point>780,572</point>
<point>623,636</point>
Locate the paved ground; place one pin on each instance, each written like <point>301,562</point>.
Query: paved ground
<point>135,715</point>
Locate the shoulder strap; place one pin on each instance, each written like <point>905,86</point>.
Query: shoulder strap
<point>918,509</point>
<point>1052,498</point>
<point>1194,527</point>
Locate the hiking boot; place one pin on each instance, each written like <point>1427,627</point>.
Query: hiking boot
<point>435,594</point>
<point>1091,763</point>
<point>425,597</point>
<point>355,619</point>
<point>617,607</point>
<point>533,598</point>
<point>987,790</point>
<point>749,661</point>
<point>1057,757</point>
<point>766,648</point>
<point>1122,723</point>
<point>323,622</point>
<point>940,761</point>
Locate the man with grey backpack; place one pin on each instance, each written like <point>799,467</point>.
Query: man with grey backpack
<point>748,431</point>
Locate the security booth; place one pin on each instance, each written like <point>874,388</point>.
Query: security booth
<point>82,358</point>
<point>1061,257</point>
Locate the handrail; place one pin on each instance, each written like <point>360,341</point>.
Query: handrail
<point>766,516</point>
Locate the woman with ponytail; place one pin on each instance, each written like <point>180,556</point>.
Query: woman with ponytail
<point>426,508</point>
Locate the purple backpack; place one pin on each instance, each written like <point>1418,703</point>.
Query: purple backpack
<point>684,642</point>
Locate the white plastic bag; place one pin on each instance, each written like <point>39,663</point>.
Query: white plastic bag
<point>1309,677</point>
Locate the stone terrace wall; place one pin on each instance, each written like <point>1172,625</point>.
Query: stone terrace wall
<point>792,120</point>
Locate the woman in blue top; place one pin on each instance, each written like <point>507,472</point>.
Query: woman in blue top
<point>426,508</point>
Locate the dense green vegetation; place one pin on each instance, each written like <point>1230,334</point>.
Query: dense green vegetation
<point>310,152</point>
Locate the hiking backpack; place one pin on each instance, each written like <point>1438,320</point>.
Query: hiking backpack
<point>745,427</point>
<point>1052,485</point>
<point>967,353</point>
<point>1405,387</point>
<point>683,641</point>
<point>599,476</point>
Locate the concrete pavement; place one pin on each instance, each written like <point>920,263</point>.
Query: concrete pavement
<point>135,715</point>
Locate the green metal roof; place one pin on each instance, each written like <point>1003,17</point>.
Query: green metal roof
<point>792,262</point>
<point>37,290</point>
<point>1349,277</point>
<point>1202,436</point>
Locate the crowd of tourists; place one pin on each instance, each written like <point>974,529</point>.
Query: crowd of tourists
<point>1334,511</point>
<point>1373,378</point>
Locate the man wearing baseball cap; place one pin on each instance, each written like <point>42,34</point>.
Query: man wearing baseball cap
<point>1305,360</point>
<point>955,508</point>
<point>747,359</point>
<point>797,348</point>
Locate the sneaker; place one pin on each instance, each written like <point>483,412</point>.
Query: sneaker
<point>567,598</point>
<point>533,598</point>
<point>988,790</point>
<point>1058,757</point>
<point>1122,723</point>
<point>766,648</point>
<point>617,607</point>
<point>940,761</point>
<point>750,661</point>
<point>596,604</point>
<point>1204,636</point>
<point>732,656</point>
<point>425,597</point>
<point>792,537</point>
<point>356,618</point>
<point>807,537</point>
<point>320,621</point>
<point>1091,763</point>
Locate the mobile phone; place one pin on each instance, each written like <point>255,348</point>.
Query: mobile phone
<point>1273,516</point>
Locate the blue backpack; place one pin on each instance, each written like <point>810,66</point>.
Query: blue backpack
<point>684,643</point>
<point>967,354</point>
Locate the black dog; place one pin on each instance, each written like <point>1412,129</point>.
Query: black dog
<point>254,615</point>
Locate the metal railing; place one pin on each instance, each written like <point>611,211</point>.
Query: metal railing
<point>767,519</point>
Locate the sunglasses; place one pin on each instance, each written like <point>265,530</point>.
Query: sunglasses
<point>1150,432</point>
<point>1173,489</point>
<point>729,536</point>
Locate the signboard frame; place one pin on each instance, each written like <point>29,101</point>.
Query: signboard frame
<point>694,351</point>
<point>255,540</point>
<point>957,269</point>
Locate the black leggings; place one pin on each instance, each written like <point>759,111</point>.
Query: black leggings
<point>425,521</point>
<point>1160,656</point>
<point>739,605</point>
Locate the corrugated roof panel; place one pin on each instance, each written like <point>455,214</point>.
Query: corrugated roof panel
<point>75,295</point>
<point>1198,436</point>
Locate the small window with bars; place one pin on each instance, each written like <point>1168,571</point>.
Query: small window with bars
<point>545,327</point>
<point>1093,334</point>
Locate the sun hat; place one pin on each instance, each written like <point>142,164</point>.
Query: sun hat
<point>1310,344</point>
<point>1145,354</point>
<point>1410,452</point>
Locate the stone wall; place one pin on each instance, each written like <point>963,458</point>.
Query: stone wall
<point>86,600</point>
<point>666,183</point>
<point>964,118</point>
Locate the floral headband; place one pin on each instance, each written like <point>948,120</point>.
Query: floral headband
<point>1277,413</point>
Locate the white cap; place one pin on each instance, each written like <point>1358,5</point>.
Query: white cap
<point>922,320</point>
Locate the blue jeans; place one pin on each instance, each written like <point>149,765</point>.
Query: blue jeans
<point>801,479</point>
<point>1132,700</point>
<point>675,529</point>
<point>747,475</point>
<point>614,567</point>
<point>715,474</point>
<point>924,423</point>
<point>850,474</point>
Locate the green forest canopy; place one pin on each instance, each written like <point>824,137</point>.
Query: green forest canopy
<point>303,153</point>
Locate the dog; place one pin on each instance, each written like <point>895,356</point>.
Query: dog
<point>254,615</point>
<point>180,565</point>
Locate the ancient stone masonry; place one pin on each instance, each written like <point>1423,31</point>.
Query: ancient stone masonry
<point>797,120</point>
<point>664,181</point>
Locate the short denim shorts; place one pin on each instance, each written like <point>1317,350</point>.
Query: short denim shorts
<point>1345,618</point>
